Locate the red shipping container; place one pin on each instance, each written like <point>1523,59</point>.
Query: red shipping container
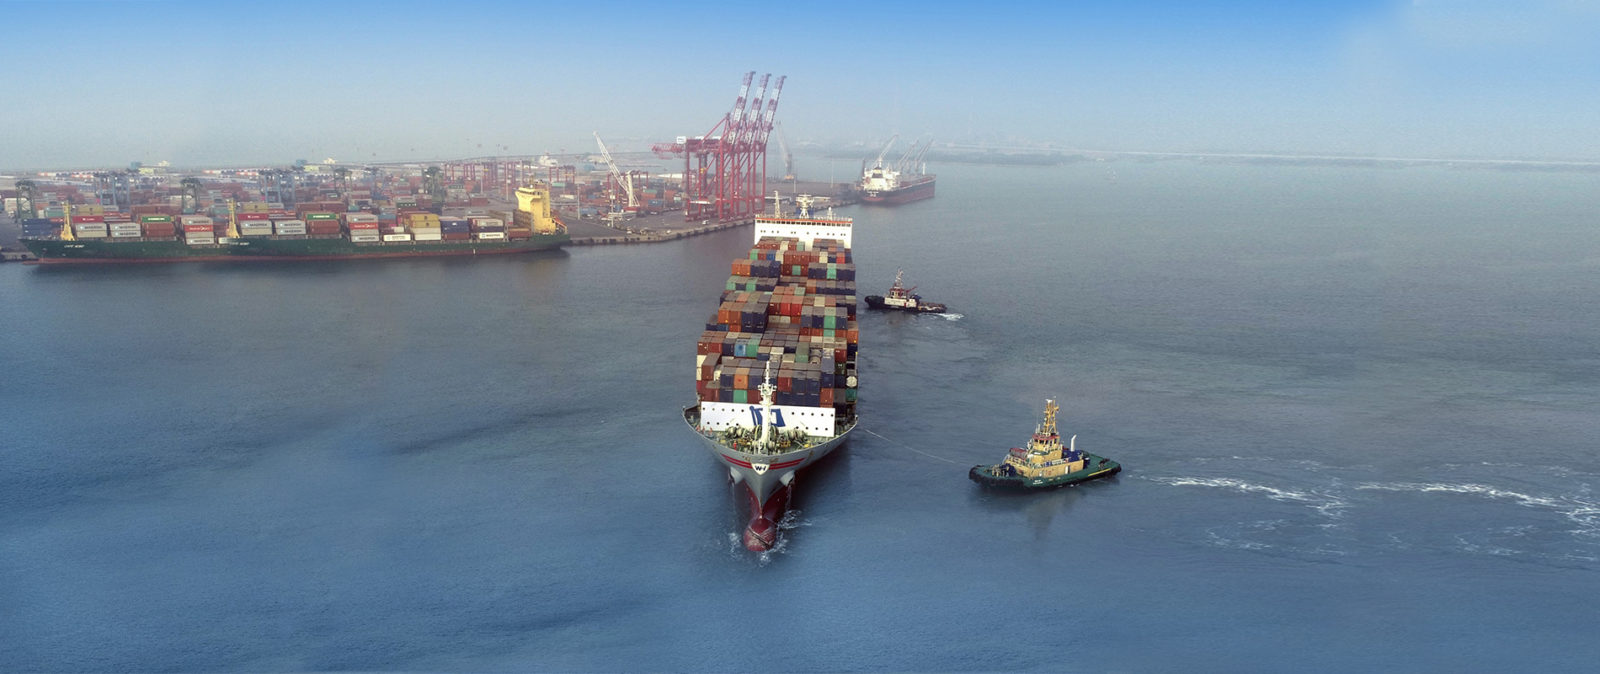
<point>253,216</point>
<point>827,397</point>
<point>197,228</point>
<point>456,236</point>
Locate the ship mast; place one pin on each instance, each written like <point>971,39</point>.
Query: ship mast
<point>767,389</point>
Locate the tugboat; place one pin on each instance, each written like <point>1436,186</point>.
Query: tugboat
<point>902,298</point>
<point>1044,464</point>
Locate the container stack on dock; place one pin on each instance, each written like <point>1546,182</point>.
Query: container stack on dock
<point>794,305</point>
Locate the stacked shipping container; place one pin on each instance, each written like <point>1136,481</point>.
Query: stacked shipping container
<point>776,309</point>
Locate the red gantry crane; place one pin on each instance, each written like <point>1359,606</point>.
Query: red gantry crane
<point>725,170</point>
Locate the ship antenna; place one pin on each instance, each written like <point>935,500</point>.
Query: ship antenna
<point>766,388</point>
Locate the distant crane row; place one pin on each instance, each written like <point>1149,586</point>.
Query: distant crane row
<point>725,170</point>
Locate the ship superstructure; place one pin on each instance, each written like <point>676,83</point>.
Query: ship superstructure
<point>776,382</point>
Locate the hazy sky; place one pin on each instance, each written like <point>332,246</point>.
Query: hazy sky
<point>105,83</point>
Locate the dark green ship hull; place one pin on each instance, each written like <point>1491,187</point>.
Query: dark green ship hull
<point>1097,467</point>
<point>100,251</point>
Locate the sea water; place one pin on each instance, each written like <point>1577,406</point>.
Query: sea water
<point>1356,406</point>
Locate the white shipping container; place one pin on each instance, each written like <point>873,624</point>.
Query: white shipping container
<point>123,225</point>
<point>194,220</point>
<point>126,235</point>
<point>365,238</point>
<point>429,235</point>
<point>397,237</point>
<point>490,236</point>
<point>290,230</point>
<point>201,241</point>
<point>489,222</point>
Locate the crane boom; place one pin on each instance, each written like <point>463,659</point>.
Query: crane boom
<point>625,181</point>
<point>788,157</point>
<point>886,146</point>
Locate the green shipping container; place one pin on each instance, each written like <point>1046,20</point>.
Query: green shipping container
<point>731,285</point>
<point>827,322</point>
<point>828,332</point>
<point>833,274</point>
<point>849,395</point>
<point>740,397</point>
<point>797,271</point>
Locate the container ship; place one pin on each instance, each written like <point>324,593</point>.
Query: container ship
<point>315,231</point>
<point>776,381</point>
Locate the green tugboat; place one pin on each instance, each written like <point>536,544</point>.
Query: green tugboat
<point>1044,463</point>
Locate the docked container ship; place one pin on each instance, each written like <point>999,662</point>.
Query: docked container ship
<point>321,232</point>
<point>776,382</point>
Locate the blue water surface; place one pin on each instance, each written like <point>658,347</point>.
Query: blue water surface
<point>1356,406</point>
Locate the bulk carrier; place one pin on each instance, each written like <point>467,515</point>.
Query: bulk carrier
<point>776,377</point>
<point>905,181</point>
<point>881,185</point>
<point>259,234</point>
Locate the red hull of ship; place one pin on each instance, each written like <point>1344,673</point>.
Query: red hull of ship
<point>761,532</point>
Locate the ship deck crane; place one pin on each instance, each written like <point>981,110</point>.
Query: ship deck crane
<point>626,181</point>
<point>878,163</point>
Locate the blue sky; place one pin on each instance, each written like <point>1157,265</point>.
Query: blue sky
<point>104,83</point>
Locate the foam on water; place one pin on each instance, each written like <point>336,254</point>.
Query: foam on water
<point>1584,513</point>
<point>1327,504</point>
